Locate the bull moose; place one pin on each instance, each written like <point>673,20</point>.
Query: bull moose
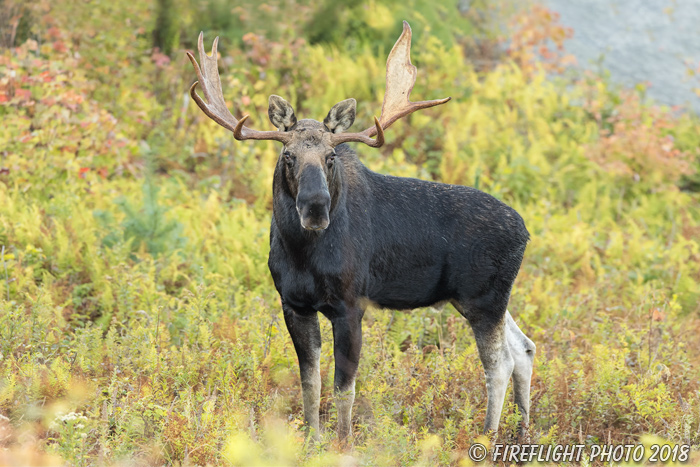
<point>343,236</point>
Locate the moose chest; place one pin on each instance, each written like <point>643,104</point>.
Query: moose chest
<point>307,279</point>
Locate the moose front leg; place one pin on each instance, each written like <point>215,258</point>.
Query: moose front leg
<point>347,343</point>
<point>306,336</point>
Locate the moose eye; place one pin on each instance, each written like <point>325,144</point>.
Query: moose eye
<point>288,157</point>
<point>331,158</point>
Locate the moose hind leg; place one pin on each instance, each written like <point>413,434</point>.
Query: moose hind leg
<point>306,336</point>
<point>523,351</point>
<point>492,344</point>
<point>498,366</point>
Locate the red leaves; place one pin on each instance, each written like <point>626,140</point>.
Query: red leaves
<point>657,315</point>
<point>531,39</point>
<point>60,47</point>
<point>47,109</point>
<point>160,59</point>
<point>634,141</point>
<point>53,32</point>
<point>23,94</point>
<point>102,172</point>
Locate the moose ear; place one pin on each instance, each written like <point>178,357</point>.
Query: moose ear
<point>341,116</point>
<point>281,113</point>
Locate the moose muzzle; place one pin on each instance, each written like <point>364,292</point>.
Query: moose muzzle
<point>313,199</point>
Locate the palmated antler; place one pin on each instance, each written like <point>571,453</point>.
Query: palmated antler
<point>215,107</point>
<point>400,78</point>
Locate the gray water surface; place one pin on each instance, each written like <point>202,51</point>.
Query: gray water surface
<point>638,41</point>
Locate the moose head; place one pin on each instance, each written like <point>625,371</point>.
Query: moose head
<point>309,152</point>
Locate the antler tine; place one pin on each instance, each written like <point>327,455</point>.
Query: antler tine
<point>361,137</point>
<point>400,78</point>
<point>215,107</point>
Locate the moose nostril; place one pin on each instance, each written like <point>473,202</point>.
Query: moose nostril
<point>318,209</point>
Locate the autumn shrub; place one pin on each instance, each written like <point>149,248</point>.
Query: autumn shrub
<point>636,141</point>
<point>536,40</point>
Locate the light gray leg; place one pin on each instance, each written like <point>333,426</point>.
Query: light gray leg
<point>347,337</point>
<point>343,403</point>
<point>498,366</point>
<point>522,350</point>
<point>306,336</point>
<point>311,390</point>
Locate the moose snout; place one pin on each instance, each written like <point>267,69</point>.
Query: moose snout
<point>313,210</point>
<point>313,199</point>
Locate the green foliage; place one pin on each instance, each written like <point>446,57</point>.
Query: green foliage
<point>166,34</point>
<point>352,25</point>
<point>148,227</point>
<point>135,230</point>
